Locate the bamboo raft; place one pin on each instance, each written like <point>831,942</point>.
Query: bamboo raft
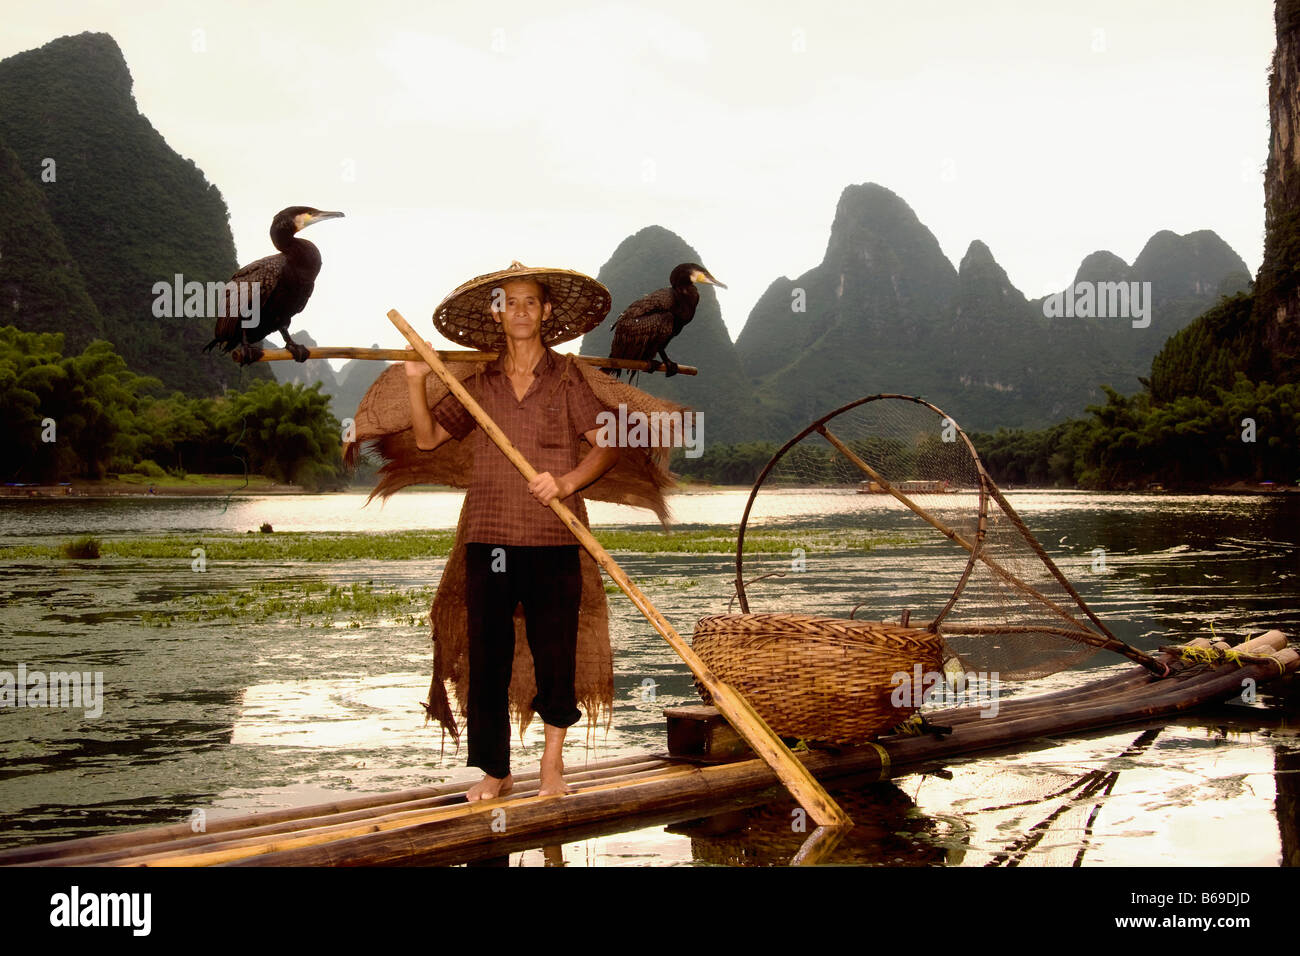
<point>708,768</point>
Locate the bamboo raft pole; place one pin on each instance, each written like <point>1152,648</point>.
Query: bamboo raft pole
<point>747,722</point>
<point>1136,682</point>
<point>1266,643</point>
<point>448,830</point>
<point>479,815</point>
<point>411,355</point>
<point>96,849</point>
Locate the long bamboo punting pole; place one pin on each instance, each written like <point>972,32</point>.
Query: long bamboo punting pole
<point>802,785</point>
<point>410,355</point>
<point>1106,641</point>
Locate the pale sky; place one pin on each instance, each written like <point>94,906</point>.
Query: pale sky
<point>457,137</point>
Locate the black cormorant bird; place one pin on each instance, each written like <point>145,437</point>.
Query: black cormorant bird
<point>285,283</point>
<point>647,325</point>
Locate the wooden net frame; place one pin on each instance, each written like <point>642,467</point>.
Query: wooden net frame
<point>1024,619</point>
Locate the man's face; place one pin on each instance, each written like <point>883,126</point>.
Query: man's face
<point>524,311</point>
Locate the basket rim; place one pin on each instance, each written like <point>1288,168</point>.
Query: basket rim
<point>806,625</point>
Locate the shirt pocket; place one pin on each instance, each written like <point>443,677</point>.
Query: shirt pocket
<point>552,433</point>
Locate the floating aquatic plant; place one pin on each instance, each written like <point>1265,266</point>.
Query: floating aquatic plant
<point>314,603</point>
<point>87,546</point>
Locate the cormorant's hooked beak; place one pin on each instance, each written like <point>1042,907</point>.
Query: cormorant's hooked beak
<point>705,277</point>
<point>303,220</point>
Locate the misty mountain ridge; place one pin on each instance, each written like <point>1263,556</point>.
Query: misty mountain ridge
<point>886,311</point>
<point>346,387</point>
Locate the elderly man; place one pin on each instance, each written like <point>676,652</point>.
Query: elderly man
<point>517,549</point>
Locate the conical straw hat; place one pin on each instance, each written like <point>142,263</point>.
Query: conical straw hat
<point>578,304</point>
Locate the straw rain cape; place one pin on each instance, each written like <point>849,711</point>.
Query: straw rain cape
<point>639,479</point>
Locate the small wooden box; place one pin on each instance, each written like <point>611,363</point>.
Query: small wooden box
<point>698,732</point>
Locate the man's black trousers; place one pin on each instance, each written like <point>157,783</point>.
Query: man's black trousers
<point>547,581</point>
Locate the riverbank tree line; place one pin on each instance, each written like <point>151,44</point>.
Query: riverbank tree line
<point>1199,422</point>
<point>1249,432</point>
<point>87,416</point>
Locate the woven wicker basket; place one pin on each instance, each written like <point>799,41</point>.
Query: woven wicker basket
<point>817,678</point>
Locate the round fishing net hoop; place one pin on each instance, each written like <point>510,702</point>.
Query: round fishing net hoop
<point>882,510</point>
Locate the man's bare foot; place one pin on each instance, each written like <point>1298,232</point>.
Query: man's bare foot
<point>552,782</point>
<point>552,778</point>
<point>490,787</point>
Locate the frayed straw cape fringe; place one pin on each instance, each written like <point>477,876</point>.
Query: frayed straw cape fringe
<point>639,479</point>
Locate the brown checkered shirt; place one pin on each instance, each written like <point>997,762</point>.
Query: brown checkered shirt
<point>545,426</point>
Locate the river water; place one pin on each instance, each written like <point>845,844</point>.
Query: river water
<point>230,715</point>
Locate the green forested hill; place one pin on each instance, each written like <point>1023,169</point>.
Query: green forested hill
<point>41,286</point>
<point>128,210</point>
<point>1208,353</point>
<point>999,356</point>
<point>1277,293</point>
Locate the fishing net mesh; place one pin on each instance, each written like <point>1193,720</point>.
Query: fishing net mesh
<point>823,535</point>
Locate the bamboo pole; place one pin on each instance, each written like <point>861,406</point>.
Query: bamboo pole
<point>134,840</point>
<point>1137,682</point>
<point>1107,642</point>
<point>1269,641</point>
<point>1032,707</point>
<point>242,849</point>
<point>539,820</point>
<point>255,832</point>
<point>410,355</point>
<point>1134,680</point>
<point>747,722</point>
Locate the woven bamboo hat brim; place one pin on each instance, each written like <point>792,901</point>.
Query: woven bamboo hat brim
<point>578,304</point>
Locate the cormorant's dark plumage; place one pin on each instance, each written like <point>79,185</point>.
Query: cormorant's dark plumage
<point>645,327</point>
<point>285,283</point>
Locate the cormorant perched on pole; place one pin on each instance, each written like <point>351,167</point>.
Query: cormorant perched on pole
<point>647,325</point>
<point>284,284</point>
